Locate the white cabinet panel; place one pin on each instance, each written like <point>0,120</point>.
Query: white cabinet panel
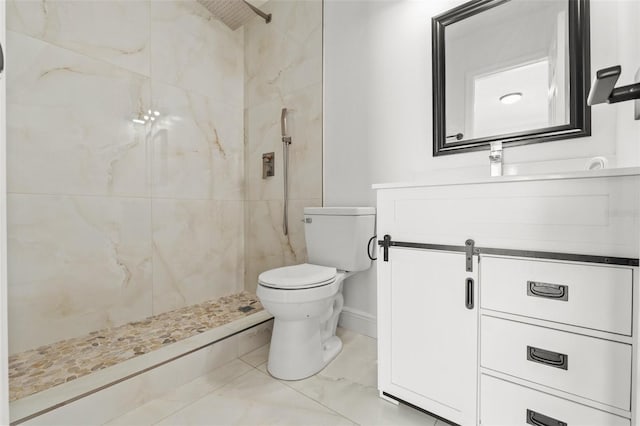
<point>594,216</point>
<point>430,349</point>
<point>506,404</point>
<point>597,297</point>
<point>596,369</point>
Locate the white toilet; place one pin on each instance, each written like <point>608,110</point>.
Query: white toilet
<point>306,300</point>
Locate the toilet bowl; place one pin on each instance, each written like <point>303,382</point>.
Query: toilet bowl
<point>306,300</point>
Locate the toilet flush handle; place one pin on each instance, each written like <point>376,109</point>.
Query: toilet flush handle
<point>306,220</point>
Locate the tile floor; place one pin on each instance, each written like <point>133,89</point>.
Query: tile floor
<point>243,393</point>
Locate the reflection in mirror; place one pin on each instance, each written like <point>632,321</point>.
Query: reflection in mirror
<point>509,70</point>
<point>534,64</point>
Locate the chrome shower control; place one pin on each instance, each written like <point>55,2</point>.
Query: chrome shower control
<point>268,165</point>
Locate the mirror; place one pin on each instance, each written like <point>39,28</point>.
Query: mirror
<point>515,71</point>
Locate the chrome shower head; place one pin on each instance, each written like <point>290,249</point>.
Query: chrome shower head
<point>235,13</point>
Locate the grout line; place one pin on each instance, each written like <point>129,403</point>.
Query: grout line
<point>189,404</point>
<point>149,151</point>
<point>103,61</point>
<point>285,383</point>
<point>275,98</point>
<point>137,74</point>
<point>119,196</point>
<point>322,111</point>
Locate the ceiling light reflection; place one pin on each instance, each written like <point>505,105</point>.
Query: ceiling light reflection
<point>511,98</point>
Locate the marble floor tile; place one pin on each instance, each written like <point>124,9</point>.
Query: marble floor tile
<point>348,385</point>
<point>252,399</point>
<point>157,409</point>
<point>359,402</point>
<point>343,393</point>
<point>257,357</point>
<point>149,413</point>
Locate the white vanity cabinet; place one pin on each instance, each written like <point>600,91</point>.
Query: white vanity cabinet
<point>512,301</point>
<point>431,332</point>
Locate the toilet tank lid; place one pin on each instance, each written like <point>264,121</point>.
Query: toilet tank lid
<point>340,211</point>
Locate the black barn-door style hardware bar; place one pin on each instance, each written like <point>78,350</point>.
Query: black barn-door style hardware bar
<point>470,249</point>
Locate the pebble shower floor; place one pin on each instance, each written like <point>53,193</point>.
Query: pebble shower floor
<point>50,365</point>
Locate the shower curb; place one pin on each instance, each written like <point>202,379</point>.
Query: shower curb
<point>34,406</point>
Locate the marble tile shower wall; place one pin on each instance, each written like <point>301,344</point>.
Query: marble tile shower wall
<point>283,68</point>
<point>109,221</point>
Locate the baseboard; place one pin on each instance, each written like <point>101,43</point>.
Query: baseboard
<point>358,321</point>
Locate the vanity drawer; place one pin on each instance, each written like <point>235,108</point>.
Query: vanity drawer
<point>585,295</point>
<point>506,403</point>
<point>593,368</point>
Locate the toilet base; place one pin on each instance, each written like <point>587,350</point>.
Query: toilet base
<point>296,350</point>
<point>331,349</point>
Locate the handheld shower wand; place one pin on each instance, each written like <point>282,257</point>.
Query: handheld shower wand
<point>283,126</point>
<point>286,141</point>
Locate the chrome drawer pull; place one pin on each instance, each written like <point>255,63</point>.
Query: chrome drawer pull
<point>550,358</point>
<point>548,291</point>
<point>537,419</point>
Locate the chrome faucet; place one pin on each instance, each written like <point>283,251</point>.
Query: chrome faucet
<point>495,158</point>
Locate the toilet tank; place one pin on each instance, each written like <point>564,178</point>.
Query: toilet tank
<point>338,236</point>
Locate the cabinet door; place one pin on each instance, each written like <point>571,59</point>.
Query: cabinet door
<point>427,334</point>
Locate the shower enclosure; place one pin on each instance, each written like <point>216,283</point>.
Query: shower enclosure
<point>135,131</point>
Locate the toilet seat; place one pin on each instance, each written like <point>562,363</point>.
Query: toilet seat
<point>298,277</point>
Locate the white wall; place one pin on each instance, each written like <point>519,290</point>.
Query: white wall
<point>348,157</point>
<point>378,125</point>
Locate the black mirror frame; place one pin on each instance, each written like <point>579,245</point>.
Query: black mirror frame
<point>579,74</point>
